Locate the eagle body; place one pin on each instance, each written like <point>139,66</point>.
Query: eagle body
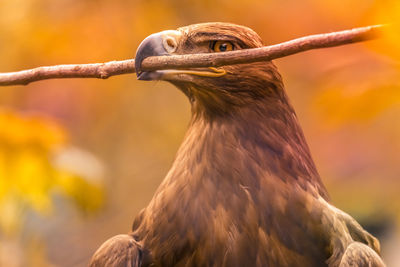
<point>210,213</point>
<point>243,189</point>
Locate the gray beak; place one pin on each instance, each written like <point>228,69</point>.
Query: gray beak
<point>158,44</point>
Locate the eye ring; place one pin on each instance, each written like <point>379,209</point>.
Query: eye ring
<point>222,46</point>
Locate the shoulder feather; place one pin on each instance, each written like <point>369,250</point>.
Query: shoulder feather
<point>118,251</point>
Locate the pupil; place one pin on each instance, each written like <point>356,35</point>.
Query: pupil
<point>223,47</point>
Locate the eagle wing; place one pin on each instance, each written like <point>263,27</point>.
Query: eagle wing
<point>118,251</point>
<point>359,255</point>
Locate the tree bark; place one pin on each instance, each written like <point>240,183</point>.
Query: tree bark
<point>112,68</point>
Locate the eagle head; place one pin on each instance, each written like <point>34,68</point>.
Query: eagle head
<point>212,90</point>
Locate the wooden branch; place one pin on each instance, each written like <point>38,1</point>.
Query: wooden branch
<point>105,70</point>
<point>95,70</point>
<point>265,53</point>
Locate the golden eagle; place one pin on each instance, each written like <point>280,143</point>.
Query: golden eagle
<point>243,189</point>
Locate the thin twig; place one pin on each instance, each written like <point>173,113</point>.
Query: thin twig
<point>95,70</point>
<point>263,53</point>
<point>105,70</point>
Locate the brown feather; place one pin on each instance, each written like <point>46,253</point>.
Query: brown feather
<point>118,251</point>
<point>358,254</point>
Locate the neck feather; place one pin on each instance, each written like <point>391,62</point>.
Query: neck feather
<point>265,136</point>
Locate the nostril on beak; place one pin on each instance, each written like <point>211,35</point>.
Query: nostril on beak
<point>170,44</point>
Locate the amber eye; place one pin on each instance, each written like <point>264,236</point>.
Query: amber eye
<point>222,46</point>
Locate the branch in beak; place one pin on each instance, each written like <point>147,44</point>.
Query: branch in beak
<point>158,44</point>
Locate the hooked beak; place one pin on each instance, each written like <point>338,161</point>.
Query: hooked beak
<point>158,44</point>
<point>165,43</point>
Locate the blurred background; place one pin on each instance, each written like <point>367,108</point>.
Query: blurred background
<point>80,157</point>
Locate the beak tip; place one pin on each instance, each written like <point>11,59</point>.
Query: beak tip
<point>138,62</point>
<point>137,68</point>
<point>149,75</point>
